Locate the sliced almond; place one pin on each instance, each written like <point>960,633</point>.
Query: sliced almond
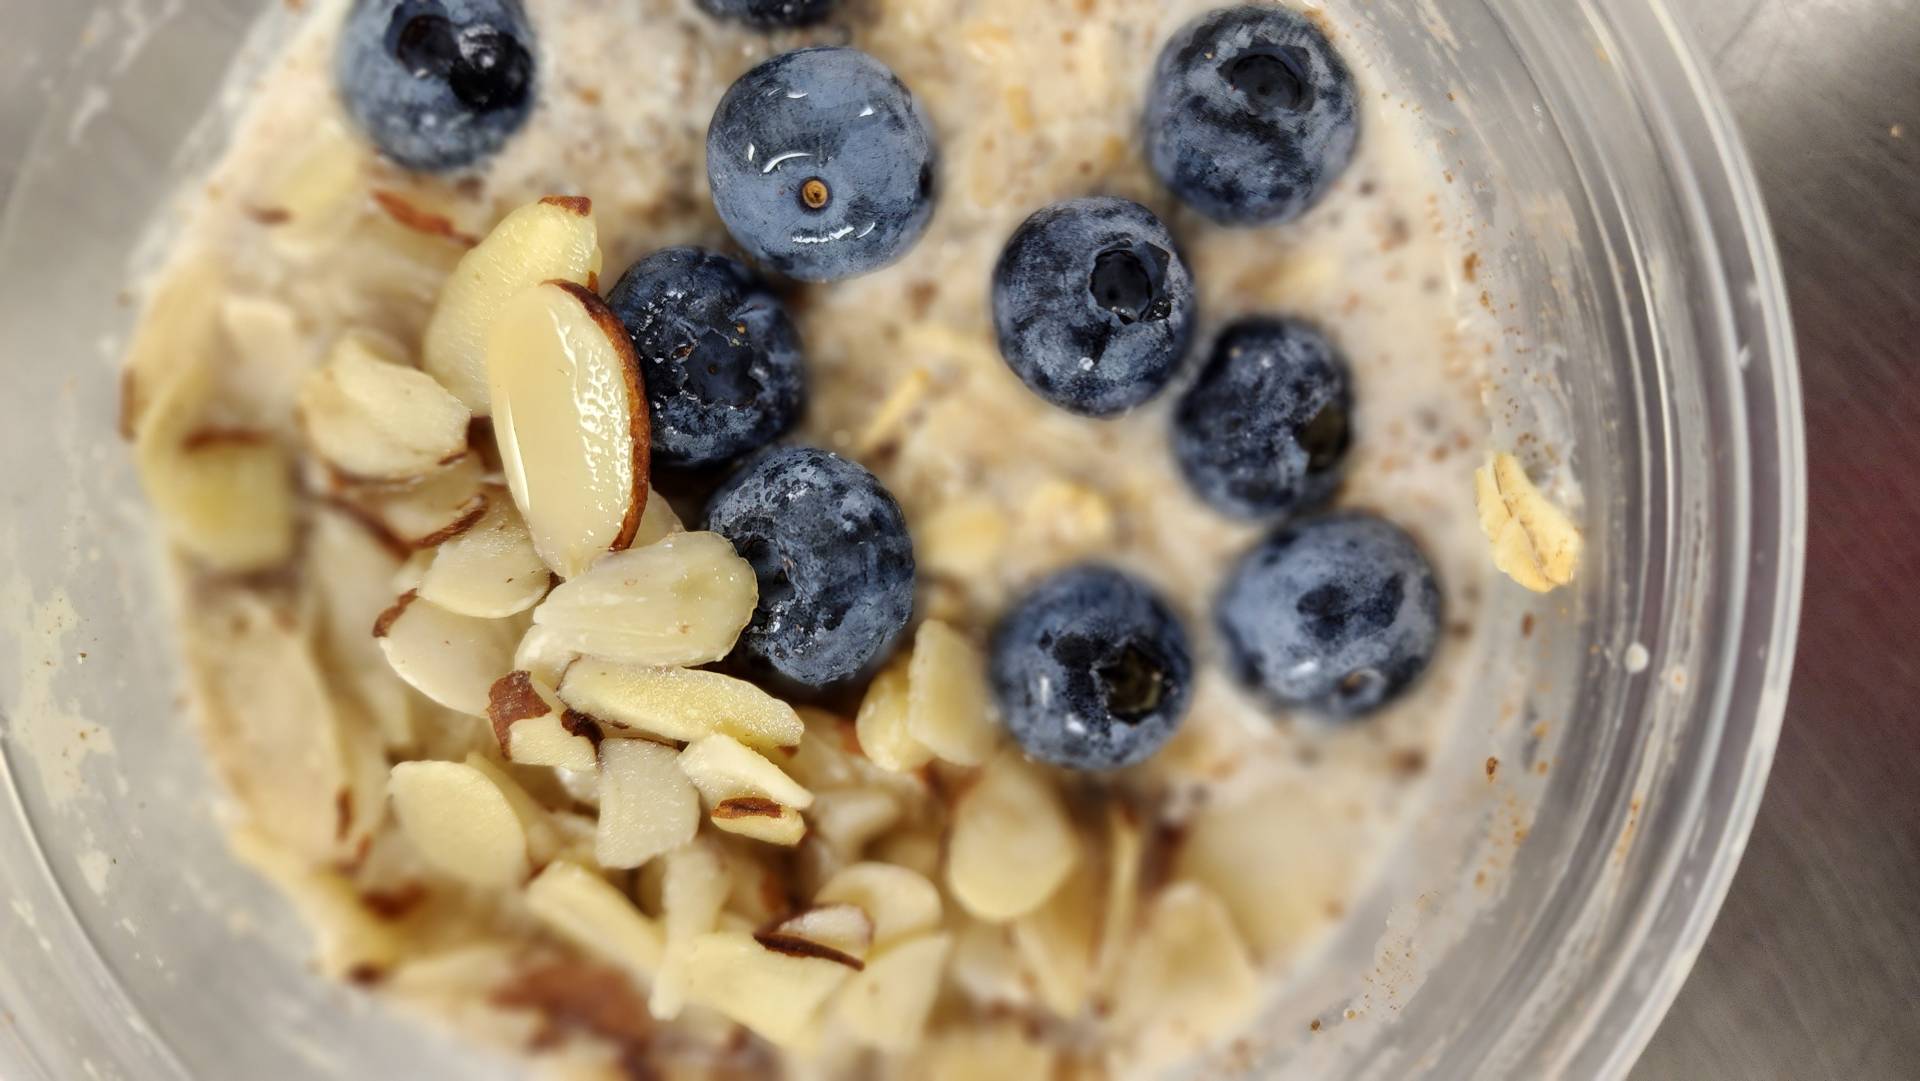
<point>887,1004</point>
<point>450,658</point>
<point>461,822</point>
<point>850,818</point>
<point>373,419</point>
<point>680,703</point>
<point>881,724</point>
<point>948,707</point>
<point>777,995</point>
<point>349,940</point>
<point>543,839</point>
<point>309,195</point>
<point>984,1052</point>
<point>1189,972</point>
<point>268,357</point>
<point>844,929</point>
<point>1056,942</point>
<point>1534,542</point>
<point>427,512</point>
<point>175,341</point>
<point>490,570</point>
<point>680,602</point>
<point>692,894</point>
<point>647,807</point>
<point>534,728</point>
<point>823,757</point>
<point>293,753</point>
<point>760,819</point>
<point>1012,844</point>
<point>543,241</point>
<point>542,655</point>
<point>722,768</point>
<point>657,522</point>
<point>1126,848</point>
<point>900,903</point>
<point>964,539</point>
<point>570,416</point>
<point>350,569</point>
<point>591,913</point>
<point>225,497</point>
<point>759,890</point>
<point>987,968</point>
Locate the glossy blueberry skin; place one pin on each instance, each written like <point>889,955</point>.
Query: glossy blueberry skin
<point>1251,115</point>
<point>1339,615</point>
<point>721,360</point>
<point>833,125</point>
<point>1091,670</point>
<point>1093,305</point>
<point>438,85</point>
<point>770,14</point>
<point>1265,429</point>
<point>834,560</point>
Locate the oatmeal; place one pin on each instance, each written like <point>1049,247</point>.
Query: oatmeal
<point>530,670</point>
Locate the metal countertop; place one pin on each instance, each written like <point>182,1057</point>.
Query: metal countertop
<point>1813,970</point>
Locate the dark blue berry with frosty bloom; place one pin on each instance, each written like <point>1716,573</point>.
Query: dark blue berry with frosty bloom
<point>1251,116</point>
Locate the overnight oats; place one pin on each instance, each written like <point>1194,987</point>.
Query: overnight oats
<point>784,538</point>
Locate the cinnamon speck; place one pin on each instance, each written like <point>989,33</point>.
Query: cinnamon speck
<point>1493,766</point>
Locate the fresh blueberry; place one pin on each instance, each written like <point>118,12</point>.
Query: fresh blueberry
<point>1265,429</point>
<point>436,84</point>
<point>1251,115</point>
<point>830,548</point>
<point>821,164</point>
<point>770,14</point>
<point>1339,614</point>
<point>722,361</point>
<point>1092,304</point>
<point>1091,670</point>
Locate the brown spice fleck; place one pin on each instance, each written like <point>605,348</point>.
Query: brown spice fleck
<point>1314,1025</point>
<point>1493,766</point>
<point>1470,267</point>
<point>1526,625</point>
<point>1408,761</point>
<point>269,215</point>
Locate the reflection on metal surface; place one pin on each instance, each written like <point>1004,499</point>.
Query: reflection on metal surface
<point>1812,967</point>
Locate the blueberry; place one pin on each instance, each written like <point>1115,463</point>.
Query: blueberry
<point>830,548</point>
<point>821,164</point>
<point>1092,304</point>
<point>1251,115</point>
<point>770,14</point>
<point>1339,614</point>
<point>1265,429</point>
<point>1091,670</point>
<point>721,359</point>
<point>436,84</point>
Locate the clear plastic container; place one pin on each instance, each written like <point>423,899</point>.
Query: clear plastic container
<point>1625,225</point>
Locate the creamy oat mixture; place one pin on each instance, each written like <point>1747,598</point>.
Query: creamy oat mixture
<point>1187,885</point>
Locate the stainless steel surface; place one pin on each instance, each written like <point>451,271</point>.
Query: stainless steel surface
<point>1813,970</point>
